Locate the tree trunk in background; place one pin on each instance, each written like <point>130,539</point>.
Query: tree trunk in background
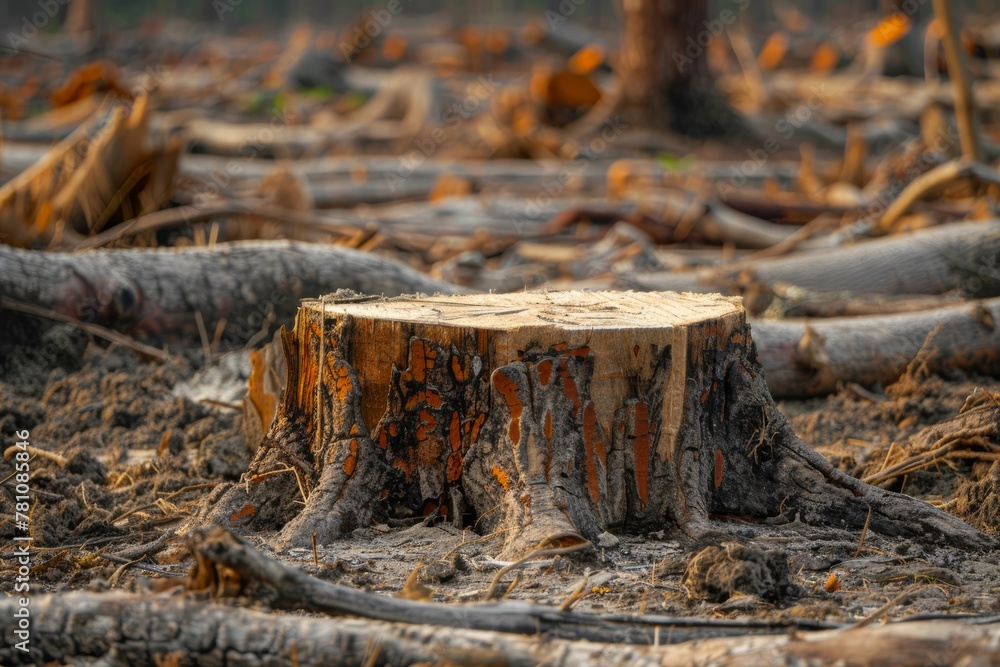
<point>81,18</point>
<point>664,67</point>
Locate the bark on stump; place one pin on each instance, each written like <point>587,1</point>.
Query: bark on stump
<point>556,416</point>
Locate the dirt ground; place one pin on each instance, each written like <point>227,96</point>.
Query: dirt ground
<point>132,446</point>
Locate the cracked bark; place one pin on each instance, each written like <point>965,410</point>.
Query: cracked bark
<point>153,294</point>
<point>558,416</point>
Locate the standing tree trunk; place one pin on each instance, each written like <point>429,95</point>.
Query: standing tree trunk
<point>81,18</point>
<point>664,70</point>
<point>555,416</point>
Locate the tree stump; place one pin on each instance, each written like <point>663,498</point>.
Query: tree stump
<point>555,416</point>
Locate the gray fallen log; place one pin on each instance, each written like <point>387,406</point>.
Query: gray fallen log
<point>154,294</point>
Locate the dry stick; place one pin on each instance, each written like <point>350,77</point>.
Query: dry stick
<point>864,533</point>
<point>186,214</point>
<point>92,329</point>
<point>881,611</point>
<point>578,594</point>
<point>925,183</point>
<point>171,496</point>
<point>958,70</point>
<point>818,224</point>
<point>540,551</point>
<point>751,70</point>
<point>943,447</point>
<point>206,348</point>
<point>58,459</point>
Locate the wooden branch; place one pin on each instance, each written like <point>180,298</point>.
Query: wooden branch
<point>227,566</point>
<point>958,70</point>
<point>963,434</point>
<point>174,217</point>
<point>926,183</point>
<point>7,303</point>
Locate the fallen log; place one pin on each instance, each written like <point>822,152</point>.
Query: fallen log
<point>958,256</point>
<point>557,416</point>
<point>812,357</point>
<point>227,566</point>
<point>127,629</point>
<point>240,289</point>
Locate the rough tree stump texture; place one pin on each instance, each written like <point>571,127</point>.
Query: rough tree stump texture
<point>554,416</point>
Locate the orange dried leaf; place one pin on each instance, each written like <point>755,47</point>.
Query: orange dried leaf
<point>568,89</point>
<point>587,59</point>
<point>449,185</point>
<point>773,51</point>
<point>824,58</point>
<point>890,29</point>
<point>394,46</point>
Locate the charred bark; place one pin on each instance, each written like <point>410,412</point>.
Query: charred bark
<point>557,416</point>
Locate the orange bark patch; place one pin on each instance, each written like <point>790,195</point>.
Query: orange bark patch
<point>718,468</point>
<point>422,358</point>
<point>351,462</point>
<point>548,426</point>
<point>640,445</point>
<point>427,396</point>
<point>501,477</point>
<point>508,389</point>
<point>544,371</point>
<point>476,425</point>
<point>247,512</point>
<point>453,469</point>
<point>343,385</point>
<point>593,448</point>
<point>569,387</point>
<point>400,464</point>
<point>457,371</point>
<point>455,432</point>
<point>427,425</point>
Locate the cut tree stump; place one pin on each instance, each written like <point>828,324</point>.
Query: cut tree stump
<point>553,416</point>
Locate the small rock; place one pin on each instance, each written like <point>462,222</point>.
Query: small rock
<point>607,541</point>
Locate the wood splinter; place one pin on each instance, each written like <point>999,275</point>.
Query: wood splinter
<point>557,415</point>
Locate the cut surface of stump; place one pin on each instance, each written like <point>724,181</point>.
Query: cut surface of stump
<point>548,416</point>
